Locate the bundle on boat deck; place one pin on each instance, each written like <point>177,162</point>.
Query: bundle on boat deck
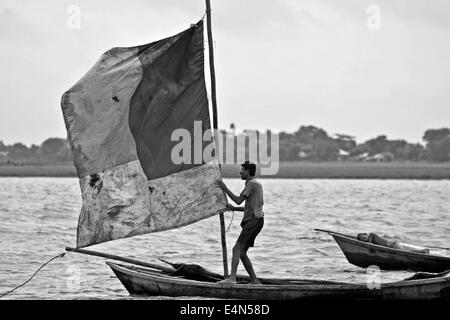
<point>427,275</point>
<point>199,273</point>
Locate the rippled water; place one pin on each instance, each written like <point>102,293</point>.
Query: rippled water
<point>39,217</point>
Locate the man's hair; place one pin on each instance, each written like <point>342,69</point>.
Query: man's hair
<point>250,166</point>
<point>360,235</point>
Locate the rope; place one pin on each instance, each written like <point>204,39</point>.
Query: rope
<point>232,217</point>
<point>58,256</point>
<point>203,16</point>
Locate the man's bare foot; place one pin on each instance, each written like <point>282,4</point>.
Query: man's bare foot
<point>256,282</point>
<point>227,281</point>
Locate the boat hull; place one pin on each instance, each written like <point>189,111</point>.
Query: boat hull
<point>139,281</point>
<point>365,254</point>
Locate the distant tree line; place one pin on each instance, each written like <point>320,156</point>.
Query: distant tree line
<point>312,143</point>
<point>51,151</point>
<point>308,143</point>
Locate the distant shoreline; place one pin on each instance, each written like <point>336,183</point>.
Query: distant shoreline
<point>287,170</point>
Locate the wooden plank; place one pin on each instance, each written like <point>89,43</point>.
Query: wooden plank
<point>118,258</point>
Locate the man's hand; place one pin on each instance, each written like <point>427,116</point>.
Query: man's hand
<point>235,198</point>
<point>220,184</point>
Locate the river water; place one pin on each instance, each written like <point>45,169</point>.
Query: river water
<point>39,217</point>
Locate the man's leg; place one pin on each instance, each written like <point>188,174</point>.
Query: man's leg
<point>248,265</point>
<point>234,264</point>
<point>235,261</point>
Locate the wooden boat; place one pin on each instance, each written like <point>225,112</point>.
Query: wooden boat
<point>151,282</point>
<point>364,254</point>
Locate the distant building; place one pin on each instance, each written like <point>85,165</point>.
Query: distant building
<point>302,155</point>
<point>362,156</point>
<point>343,155</point>
<point>381,157</point>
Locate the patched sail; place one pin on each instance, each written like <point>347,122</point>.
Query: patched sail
<point>120,118</point>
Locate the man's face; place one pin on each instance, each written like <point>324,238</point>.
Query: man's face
<point>244,173</point>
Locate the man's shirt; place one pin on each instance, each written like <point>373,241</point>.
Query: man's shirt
<point>254,201</point>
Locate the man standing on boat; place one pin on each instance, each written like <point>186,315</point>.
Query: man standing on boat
<point>252,221</point>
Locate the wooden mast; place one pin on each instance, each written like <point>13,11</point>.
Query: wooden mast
<point>215,125</point>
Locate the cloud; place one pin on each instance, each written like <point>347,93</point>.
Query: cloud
<point>279,63</point>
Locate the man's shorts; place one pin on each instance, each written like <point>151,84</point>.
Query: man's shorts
<point>250,229</point>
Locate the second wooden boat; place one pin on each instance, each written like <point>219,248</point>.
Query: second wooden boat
<point>364,254</point>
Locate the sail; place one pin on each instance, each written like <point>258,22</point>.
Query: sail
<point>120,119</point>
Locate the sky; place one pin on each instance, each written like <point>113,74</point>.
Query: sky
<point>356,67</point>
